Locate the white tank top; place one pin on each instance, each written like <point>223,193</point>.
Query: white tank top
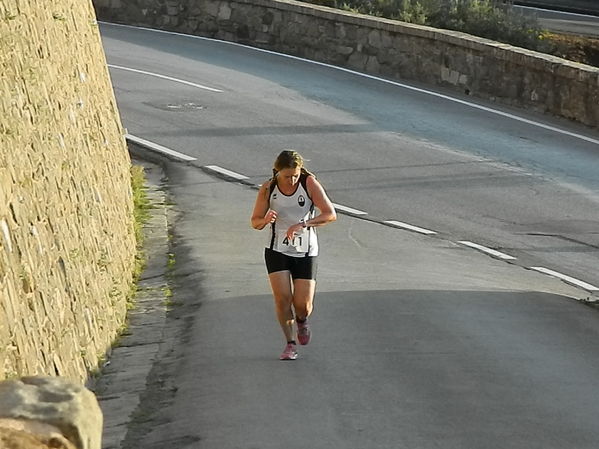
<point>291,209</point>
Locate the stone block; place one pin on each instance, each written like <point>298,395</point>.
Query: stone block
<point>268,18</point>
<point>212,9</point>
<point>372,65</point>
<point>374,39</point>
<point>343,50</point>
<point>57,402</point>
<point>172,8</point>
<point>357,60</point>
<point>224,12</point>
<point>386,40</point>
<point>15,434</point>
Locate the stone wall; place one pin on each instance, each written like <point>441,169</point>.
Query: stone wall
<point>383,47</point>
<point>66,229</point>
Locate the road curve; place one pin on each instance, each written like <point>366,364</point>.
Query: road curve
<point>405,155</point>
<point>564,22</point>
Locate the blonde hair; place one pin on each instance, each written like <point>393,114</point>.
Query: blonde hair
<point>289,159</point>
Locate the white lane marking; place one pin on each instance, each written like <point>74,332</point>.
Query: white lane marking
<point>566,13</point>
<point>349,210</point>
<point>566,278</point>
<point>159,148</point>
<point>398,224</point>
<point>376,78</point>
<point>224,171</point>
<point>410,227</point>
<point>489,251</point>
<point>170,78</point>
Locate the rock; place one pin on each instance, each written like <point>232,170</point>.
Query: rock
<point>52,401</point>
<point>15,434</point>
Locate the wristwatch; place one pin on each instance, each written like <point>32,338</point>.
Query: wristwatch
<point>303,223</point>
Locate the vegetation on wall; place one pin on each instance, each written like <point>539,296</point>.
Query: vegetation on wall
<point>141,207</point>
<point>491,19</point>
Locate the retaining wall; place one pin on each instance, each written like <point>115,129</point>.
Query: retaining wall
<point>383,47</point>
<point>66,230</point>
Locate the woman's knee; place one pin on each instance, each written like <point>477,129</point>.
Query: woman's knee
<point>309,308</point>
<point>303,307</point>
<point>283,301</point>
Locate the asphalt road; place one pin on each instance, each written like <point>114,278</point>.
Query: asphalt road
<point>398,154</point>
<point>419,341</point>
<point>564,22</point>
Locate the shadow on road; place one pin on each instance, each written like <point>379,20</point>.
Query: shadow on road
<point>386,369</point>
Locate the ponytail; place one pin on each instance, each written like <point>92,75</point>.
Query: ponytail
<point>307,173</point>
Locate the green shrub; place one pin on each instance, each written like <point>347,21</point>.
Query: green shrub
<point>413,12</point>
<point>491,19</point>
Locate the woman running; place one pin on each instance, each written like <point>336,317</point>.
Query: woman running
<point>287,202</point>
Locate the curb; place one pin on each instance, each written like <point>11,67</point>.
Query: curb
<point>123,378</point>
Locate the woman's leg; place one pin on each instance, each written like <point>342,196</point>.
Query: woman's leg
<point>303,297</point>
<point>303,300</point>
<point>280,283</point>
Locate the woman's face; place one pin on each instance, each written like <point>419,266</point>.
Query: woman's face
<point>289,176</point>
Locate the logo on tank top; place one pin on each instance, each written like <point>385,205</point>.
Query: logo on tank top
<point>274,196</point>
<point>301,200</point>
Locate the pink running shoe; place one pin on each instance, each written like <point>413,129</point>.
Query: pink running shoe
<point>289,353</point>
<point>303,333</point>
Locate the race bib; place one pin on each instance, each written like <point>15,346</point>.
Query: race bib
<point>299,243</point>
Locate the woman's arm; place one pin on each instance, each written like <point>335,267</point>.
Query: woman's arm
<point>322,202</point>
<point>262,216</point>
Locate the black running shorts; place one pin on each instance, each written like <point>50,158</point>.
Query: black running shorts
<point>299,267</point>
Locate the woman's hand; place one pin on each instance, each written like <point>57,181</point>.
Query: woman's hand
<point>293,230</point>
<point>270,217</point>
